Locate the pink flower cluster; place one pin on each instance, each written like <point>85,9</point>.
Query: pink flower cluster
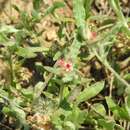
<point>66,65</point>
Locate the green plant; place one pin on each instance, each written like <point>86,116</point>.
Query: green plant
<point>58,95</point>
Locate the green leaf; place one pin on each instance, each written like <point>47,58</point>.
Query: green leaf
<point>35,16</point>
<point>6,110</point>
<point>38,89</point>
<point>55,6</point>
<point>110,102</point>
<point>112,106</point>
<point>79,12</point>
<point>19,113</point>
<point>90,92</point>
<point>36,4</point>
<point>127,105</point>
<point>127,76</point>
<point>29,52</point>
<point>88,4</point>
<point>68,77</point>
<point>25,52</point>
<point>56,71</point>
<point>107,125</point>
<point>74,50</point>
<point>80,15</point>
<point>124,113</point>
<point>99,108</point>
<point>28,93</point>
<point>69,125</point>
<point>119,112</point>
<point>76,116</point>
<point>8,29</point>
<point>57,55</point>
<point>16,112</point>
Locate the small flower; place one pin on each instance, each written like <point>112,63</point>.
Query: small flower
<point>66,65</point>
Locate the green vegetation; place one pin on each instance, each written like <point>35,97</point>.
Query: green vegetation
<point>67,76</point>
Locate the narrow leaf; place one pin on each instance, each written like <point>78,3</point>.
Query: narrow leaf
<point>90,92</point>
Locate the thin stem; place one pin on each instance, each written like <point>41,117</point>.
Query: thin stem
<point>107,65</point>
<point>61,94</point>
<point>11,70</point>
<point>5,126</point>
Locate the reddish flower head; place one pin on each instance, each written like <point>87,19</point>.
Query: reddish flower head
<point>66,65</point>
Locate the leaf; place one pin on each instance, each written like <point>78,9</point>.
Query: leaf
<point>53,70</point>
<point>74,50</point>
<point>38,89</point>
<point>90,92</point>
<point>124,113</point>
<point>25,20</point>
<point>57,55</point>
<point>28,93</point>
<point>69,125</point>
<point>110,102</point>
<point>21,116</point>
<point>35,16</point>
<point>88,4</point>
<point>16,112</point>
<point>107,125</point>
<point>127,105</point>
<point>8,29</point>
<point>68,77</point>
<point>119,112</point>
<point>127,76</point>
<point>112,106</point>
<point>29,52</point>
<point>79,14</point>
<point>19,113</point>
<point>99,108</point>
<point>36,4</point>
<point>55,6</point>
<point>76,116</point>
<point>25,52</point>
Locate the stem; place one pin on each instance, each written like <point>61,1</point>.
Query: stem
<point>107,65</point>
<point>61,94</point>
<point>117,75</point>
<point>11,70</point>
<point>5,126</point>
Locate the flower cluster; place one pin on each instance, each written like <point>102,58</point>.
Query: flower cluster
<point>66,65</point>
